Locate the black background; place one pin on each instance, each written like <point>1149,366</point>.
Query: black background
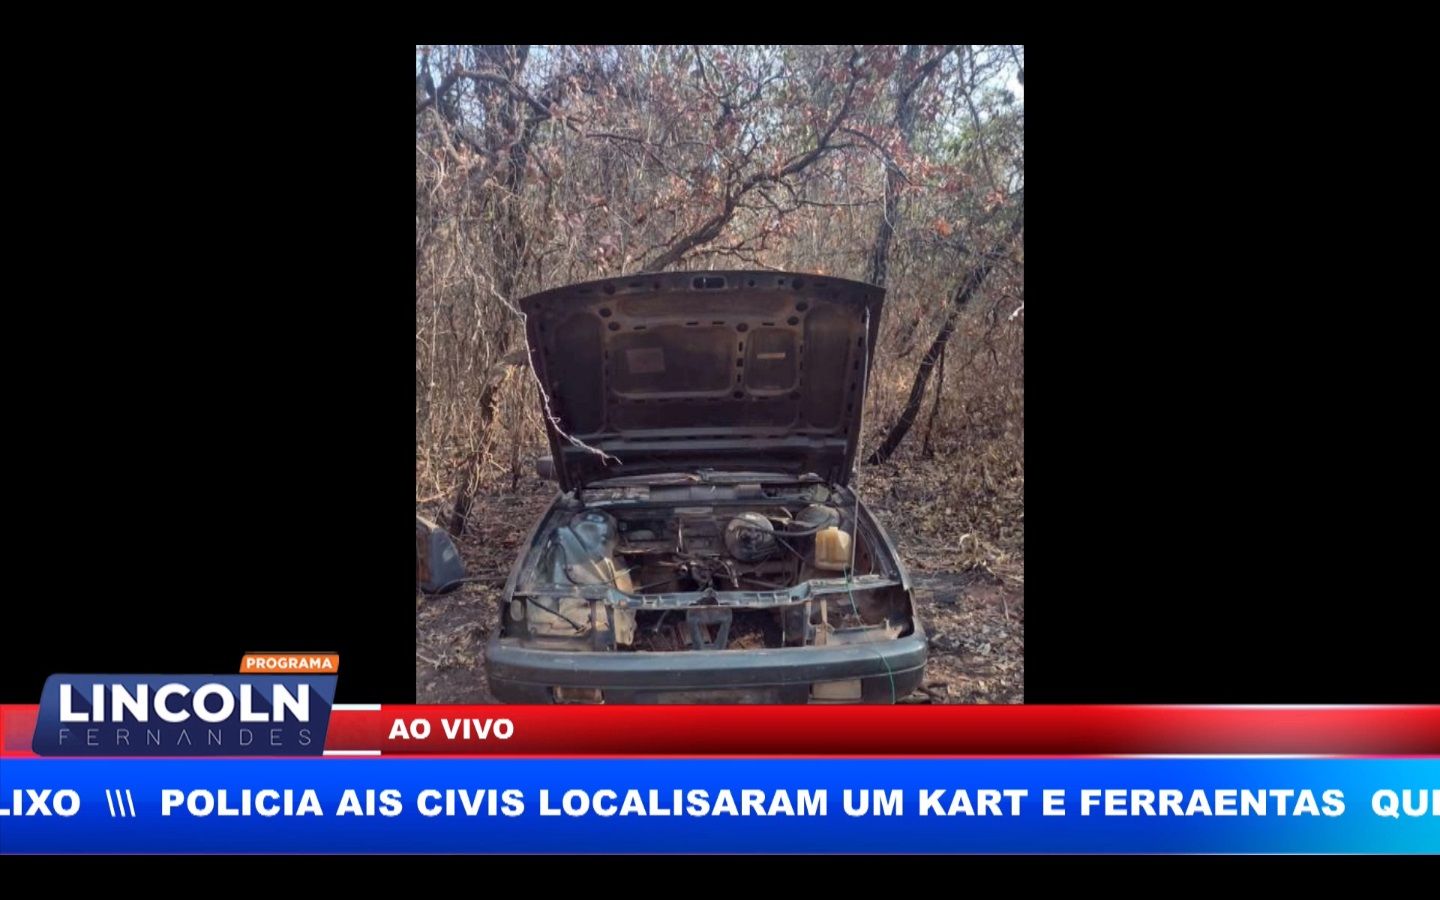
<point>211,400</point>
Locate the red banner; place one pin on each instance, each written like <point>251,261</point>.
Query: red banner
<point>859,730</point>
<point>882,731</point>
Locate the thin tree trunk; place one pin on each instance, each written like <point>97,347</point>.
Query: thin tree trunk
<point>905,117</point>
<point>511,142</point>
<point>474,465</point>
<point>927,449</point>
<point>967,289</point>
<point>905,122</point>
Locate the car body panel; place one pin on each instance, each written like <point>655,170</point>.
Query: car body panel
<point>715,370</point>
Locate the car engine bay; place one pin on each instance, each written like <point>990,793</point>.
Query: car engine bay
<point>652,569</point>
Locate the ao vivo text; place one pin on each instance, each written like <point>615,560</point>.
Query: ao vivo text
<point>471,729</point>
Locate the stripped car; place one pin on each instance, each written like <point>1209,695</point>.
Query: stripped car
<point>707,545</point>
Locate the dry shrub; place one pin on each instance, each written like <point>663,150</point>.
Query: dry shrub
<point>564,164</point>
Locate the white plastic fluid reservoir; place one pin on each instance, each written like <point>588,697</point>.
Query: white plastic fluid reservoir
<point>832,549</point>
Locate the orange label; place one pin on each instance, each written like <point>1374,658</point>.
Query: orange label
<point>287,663</point>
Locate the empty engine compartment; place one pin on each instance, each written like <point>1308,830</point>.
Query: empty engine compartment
<point>751,548</point>
<point>749,569</point>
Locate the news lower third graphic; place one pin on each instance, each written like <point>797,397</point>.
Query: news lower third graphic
<point>264,761</point>
<point>191,715</point>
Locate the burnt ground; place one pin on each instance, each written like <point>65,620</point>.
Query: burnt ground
<point>971,594</point>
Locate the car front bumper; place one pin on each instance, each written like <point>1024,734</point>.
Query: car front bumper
<point>885,670</point>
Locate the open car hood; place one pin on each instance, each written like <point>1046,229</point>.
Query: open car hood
<point>683,371</point>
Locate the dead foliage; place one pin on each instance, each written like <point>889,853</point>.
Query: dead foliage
<point>539,166</point>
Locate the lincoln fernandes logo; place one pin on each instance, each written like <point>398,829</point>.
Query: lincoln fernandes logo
<point>184,715</point>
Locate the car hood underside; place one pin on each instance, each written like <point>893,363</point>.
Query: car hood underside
<point>681,371</point>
